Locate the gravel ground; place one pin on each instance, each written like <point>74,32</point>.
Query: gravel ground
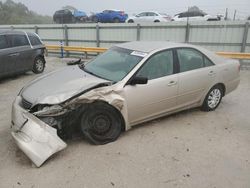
<point>188,149</point>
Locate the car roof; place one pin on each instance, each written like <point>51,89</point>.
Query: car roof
<point>149,46</point>
<point>11,32</point>
<point>153,46</point>
<point>14,32</point>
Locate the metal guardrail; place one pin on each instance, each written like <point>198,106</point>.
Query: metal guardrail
<point>233,55</point>
<point>76,48</point>
<point>85,50</point>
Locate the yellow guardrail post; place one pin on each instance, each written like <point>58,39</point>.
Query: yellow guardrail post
<point>234,55</point>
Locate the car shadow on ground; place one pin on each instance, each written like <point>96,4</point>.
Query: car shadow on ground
<point>166,118</point>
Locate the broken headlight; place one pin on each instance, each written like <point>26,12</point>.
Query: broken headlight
<point>55,110</point>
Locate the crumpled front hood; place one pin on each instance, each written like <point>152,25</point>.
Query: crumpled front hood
<point>60,85</point>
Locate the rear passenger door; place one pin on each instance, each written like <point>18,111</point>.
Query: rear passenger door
<point>151,16</point>
<point>21,52</point>
<point>5,62</point>
<point>196,74</point>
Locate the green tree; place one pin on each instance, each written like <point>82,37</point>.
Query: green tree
<point>18,13</point>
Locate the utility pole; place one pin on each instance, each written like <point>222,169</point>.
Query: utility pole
<point>226,14</point>
<point>234,14</point>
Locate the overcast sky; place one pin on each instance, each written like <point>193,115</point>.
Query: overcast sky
<point>48,7</point>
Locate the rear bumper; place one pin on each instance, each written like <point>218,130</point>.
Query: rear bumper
<point>34,137</point>
<point>232,85</point>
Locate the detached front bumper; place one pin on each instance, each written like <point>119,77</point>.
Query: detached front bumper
<point>35,138</point>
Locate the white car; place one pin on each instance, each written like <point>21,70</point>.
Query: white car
<point>194,16</point>
<point>149,17</point>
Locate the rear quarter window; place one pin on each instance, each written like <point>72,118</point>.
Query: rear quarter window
<point>207,62</point>
<point>34,40</point>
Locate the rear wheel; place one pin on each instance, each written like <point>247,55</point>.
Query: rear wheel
<point>116,20</point>
<point>213,98</point>
<point>101,123</point>
<point>130,21</point>
<point>39,65</point>
<point>156,21</point>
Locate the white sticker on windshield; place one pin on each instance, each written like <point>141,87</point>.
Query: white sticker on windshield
<point>137,53</point>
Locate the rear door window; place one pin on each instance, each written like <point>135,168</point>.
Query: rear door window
<point>18,40</point>
<point>3,42</point>
<point>189,59</point>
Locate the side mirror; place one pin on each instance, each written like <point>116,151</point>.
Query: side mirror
<point>138,80</point>
<point>137,15</point>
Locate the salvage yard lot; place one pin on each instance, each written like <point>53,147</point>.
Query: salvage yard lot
<point>188,149</point>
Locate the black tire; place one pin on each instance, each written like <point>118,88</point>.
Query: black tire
<point>157,21</point>
<point>116,20</point>
<point>130,21</point>
<point>73,20</point>
<point>95,19</point>
<point>39,65</point>
<point>213,98</point>
<point>101,123</point>
<point>57,20</point>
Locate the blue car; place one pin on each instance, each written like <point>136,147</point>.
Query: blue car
<point>110,16</point>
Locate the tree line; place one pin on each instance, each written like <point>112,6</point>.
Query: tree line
<point>18,13</point>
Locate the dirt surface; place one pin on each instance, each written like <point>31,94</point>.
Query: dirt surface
<point>188,149</point>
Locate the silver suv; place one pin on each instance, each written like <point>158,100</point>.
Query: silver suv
<point>21,52</point>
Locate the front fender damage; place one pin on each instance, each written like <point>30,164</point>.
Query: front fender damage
<point>112,96</point>
<point>38,139</point>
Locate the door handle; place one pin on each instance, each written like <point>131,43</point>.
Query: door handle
<point>15,54</point>
<point>171,83</point>
<point>211,73</point>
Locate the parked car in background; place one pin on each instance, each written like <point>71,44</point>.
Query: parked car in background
<point>195,16</point>
<point>129,84</point>
<point>149,17</point>
<point>69,16</point>
<point>110,16</point>
<point>20,52</point>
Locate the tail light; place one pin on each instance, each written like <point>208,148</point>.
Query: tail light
<point>122,13</point>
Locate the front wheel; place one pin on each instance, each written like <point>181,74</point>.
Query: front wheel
<point>213,99</point>
<point>95,19</point>
<point>39,65</point>
<point>101,123</point>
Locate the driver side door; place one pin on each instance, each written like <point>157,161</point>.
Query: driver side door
<point>158,96</point>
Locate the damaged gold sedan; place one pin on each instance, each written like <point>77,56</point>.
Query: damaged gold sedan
<point>129,84</point>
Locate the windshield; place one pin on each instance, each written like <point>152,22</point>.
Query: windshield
<point>114,64</point>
